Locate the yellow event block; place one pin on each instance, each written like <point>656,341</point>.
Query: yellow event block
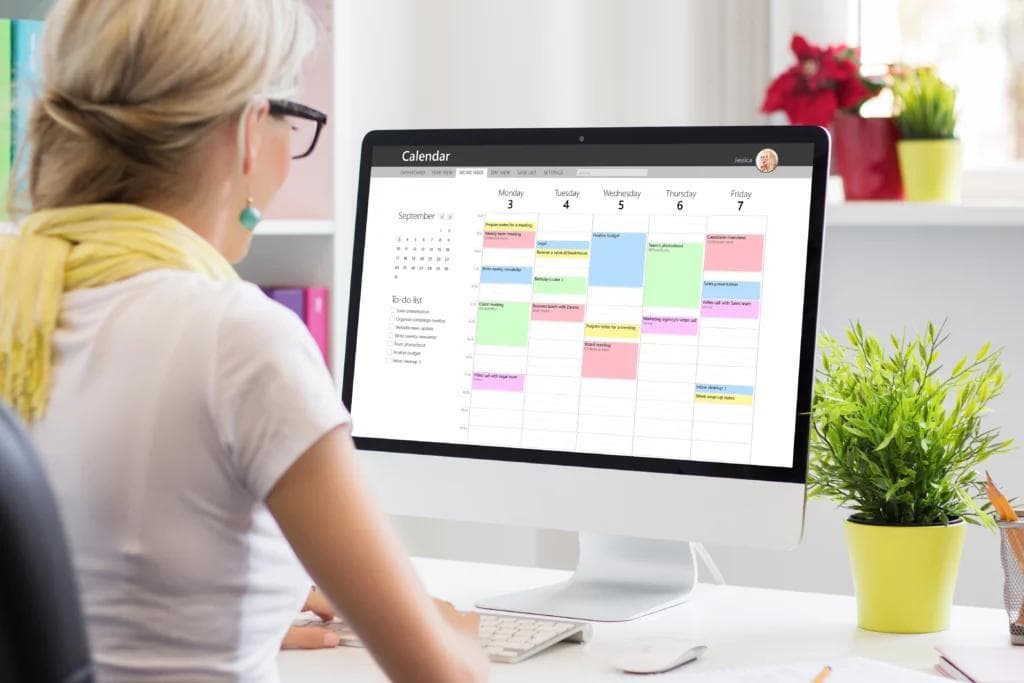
<point>562,253</point>
<point>510,226</point>
<point>612,331</point>
<point>731,399</point>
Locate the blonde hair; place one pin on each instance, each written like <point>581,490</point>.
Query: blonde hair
<point>130,87</point>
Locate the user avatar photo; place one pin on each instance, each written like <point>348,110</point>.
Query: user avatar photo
<point>767,160</point>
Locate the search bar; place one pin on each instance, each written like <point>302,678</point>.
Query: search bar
<point>611,172</point>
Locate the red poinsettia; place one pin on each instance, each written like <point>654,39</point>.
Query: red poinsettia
<point>822,82</point>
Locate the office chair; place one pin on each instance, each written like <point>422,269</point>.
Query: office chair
<point>42,633</point>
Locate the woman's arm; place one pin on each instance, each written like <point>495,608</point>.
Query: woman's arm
<point>355,557</point>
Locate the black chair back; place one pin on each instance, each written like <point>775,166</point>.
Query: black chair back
<point>42,633</point>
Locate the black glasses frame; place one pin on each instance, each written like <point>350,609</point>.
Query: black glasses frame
<point>301,111</point>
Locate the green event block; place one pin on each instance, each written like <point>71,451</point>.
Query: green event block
<point>673,274</point>
<point>560,285</point>
<point>502,323</point>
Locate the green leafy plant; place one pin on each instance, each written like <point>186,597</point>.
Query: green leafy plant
<point>895,439</point>
<point>925,105</point>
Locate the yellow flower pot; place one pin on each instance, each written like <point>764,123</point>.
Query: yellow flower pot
<point>930,169</point>
<point>904,576</point>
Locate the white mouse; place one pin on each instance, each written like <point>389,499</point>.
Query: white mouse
<point>655,655</point>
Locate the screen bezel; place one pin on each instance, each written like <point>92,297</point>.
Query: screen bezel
<point>767,135</point>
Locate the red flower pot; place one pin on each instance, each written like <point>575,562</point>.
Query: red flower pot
<point>864,154</point>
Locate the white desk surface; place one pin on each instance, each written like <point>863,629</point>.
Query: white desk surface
<point>741,626</point>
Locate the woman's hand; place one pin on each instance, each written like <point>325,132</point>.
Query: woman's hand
<point>316,602</point>
<point>467,623</point>
<point>317,637</point>
<point>312,637</point>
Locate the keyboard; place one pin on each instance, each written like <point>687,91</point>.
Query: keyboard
<point>504,638</point>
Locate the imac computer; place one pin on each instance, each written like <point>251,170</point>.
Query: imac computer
<point>605,330</point>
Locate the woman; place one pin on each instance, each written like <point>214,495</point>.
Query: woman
<point>187,423</point>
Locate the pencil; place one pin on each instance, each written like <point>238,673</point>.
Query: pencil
<point>999,501</point>
<point>1006,513</point>
<point>822,675</point>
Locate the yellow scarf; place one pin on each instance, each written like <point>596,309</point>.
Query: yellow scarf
<point>61,250</point>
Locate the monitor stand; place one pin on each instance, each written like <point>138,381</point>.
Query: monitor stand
<point>618,578</point>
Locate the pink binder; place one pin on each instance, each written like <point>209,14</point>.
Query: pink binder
<point>317,318</point>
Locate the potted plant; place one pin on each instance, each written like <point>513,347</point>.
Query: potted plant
<point>897,441</point>
<point>929,152</point>
<point>826,88</point>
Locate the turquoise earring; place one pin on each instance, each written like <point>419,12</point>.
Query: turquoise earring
<point>250,216</point>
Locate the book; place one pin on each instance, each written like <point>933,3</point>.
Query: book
<point>291,298</point>
<point>844,670</point>
<point>5,115</point>
<point>26,70</point>
<point>317,318</point>
<point>950,671</point>
<point>991,664</point>
<point>312,305</point>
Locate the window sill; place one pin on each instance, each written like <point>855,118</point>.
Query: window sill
<point>921,214</point>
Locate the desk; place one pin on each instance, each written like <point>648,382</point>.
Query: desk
<point>741,626</point>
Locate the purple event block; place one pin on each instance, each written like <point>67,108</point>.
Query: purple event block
<point>724,308</point>
<point>497,381</point>
<point>658,325</point>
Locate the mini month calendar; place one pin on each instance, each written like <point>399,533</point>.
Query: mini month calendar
<point>424,248</point>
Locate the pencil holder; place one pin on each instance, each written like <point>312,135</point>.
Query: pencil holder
<point>1012,552</point>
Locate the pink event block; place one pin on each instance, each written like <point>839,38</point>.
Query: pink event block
<point>497,381</point>
<point>723,308</point>
<point>658,325</point>
<point>734,252</point>
<point>610,360</point>
<point>511,239</point>
<point>558,313</point>
<point>317,318</point>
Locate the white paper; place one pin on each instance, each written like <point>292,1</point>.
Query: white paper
<point>846,670</point>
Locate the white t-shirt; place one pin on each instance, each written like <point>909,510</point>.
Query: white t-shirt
<point>177,404</point>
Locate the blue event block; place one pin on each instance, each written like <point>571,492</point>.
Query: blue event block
<point>731,289</point>
<point>733,389</point>
<point>617,259</point>
<point>506,275</point>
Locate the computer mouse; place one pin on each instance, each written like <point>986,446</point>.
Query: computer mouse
<point>655,655</point>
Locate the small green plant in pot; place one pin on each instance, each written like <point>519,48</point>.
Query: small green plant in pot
<point>929,152</point>
<point>897,439</point>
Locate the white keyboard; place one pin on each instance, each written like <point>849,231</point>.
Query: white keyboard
<point>504,638</point>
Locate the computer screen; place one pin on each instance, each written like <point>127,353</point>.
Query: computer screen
<point>629,304</point>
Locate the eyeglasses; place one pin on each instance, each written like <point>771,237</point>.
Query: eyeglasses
<point>307,126</point>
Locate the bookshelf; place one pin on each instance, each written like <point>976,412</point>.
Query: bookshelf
<point>269,228</point>
<point>303,242</point>
<point>301,227</point>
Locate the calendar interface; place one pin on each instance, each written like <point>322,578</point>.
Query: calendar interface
<point>632,300</point>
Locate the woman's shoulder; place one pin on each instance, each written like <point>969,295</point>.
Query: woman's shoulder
<point>243,329</point>
<point>233,307</point>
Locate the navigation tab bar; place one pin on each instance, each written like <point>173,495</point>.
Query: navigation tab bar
<point>590,173</point>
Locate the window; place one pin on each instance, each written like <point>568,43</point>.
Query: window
<point>977,46</point>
